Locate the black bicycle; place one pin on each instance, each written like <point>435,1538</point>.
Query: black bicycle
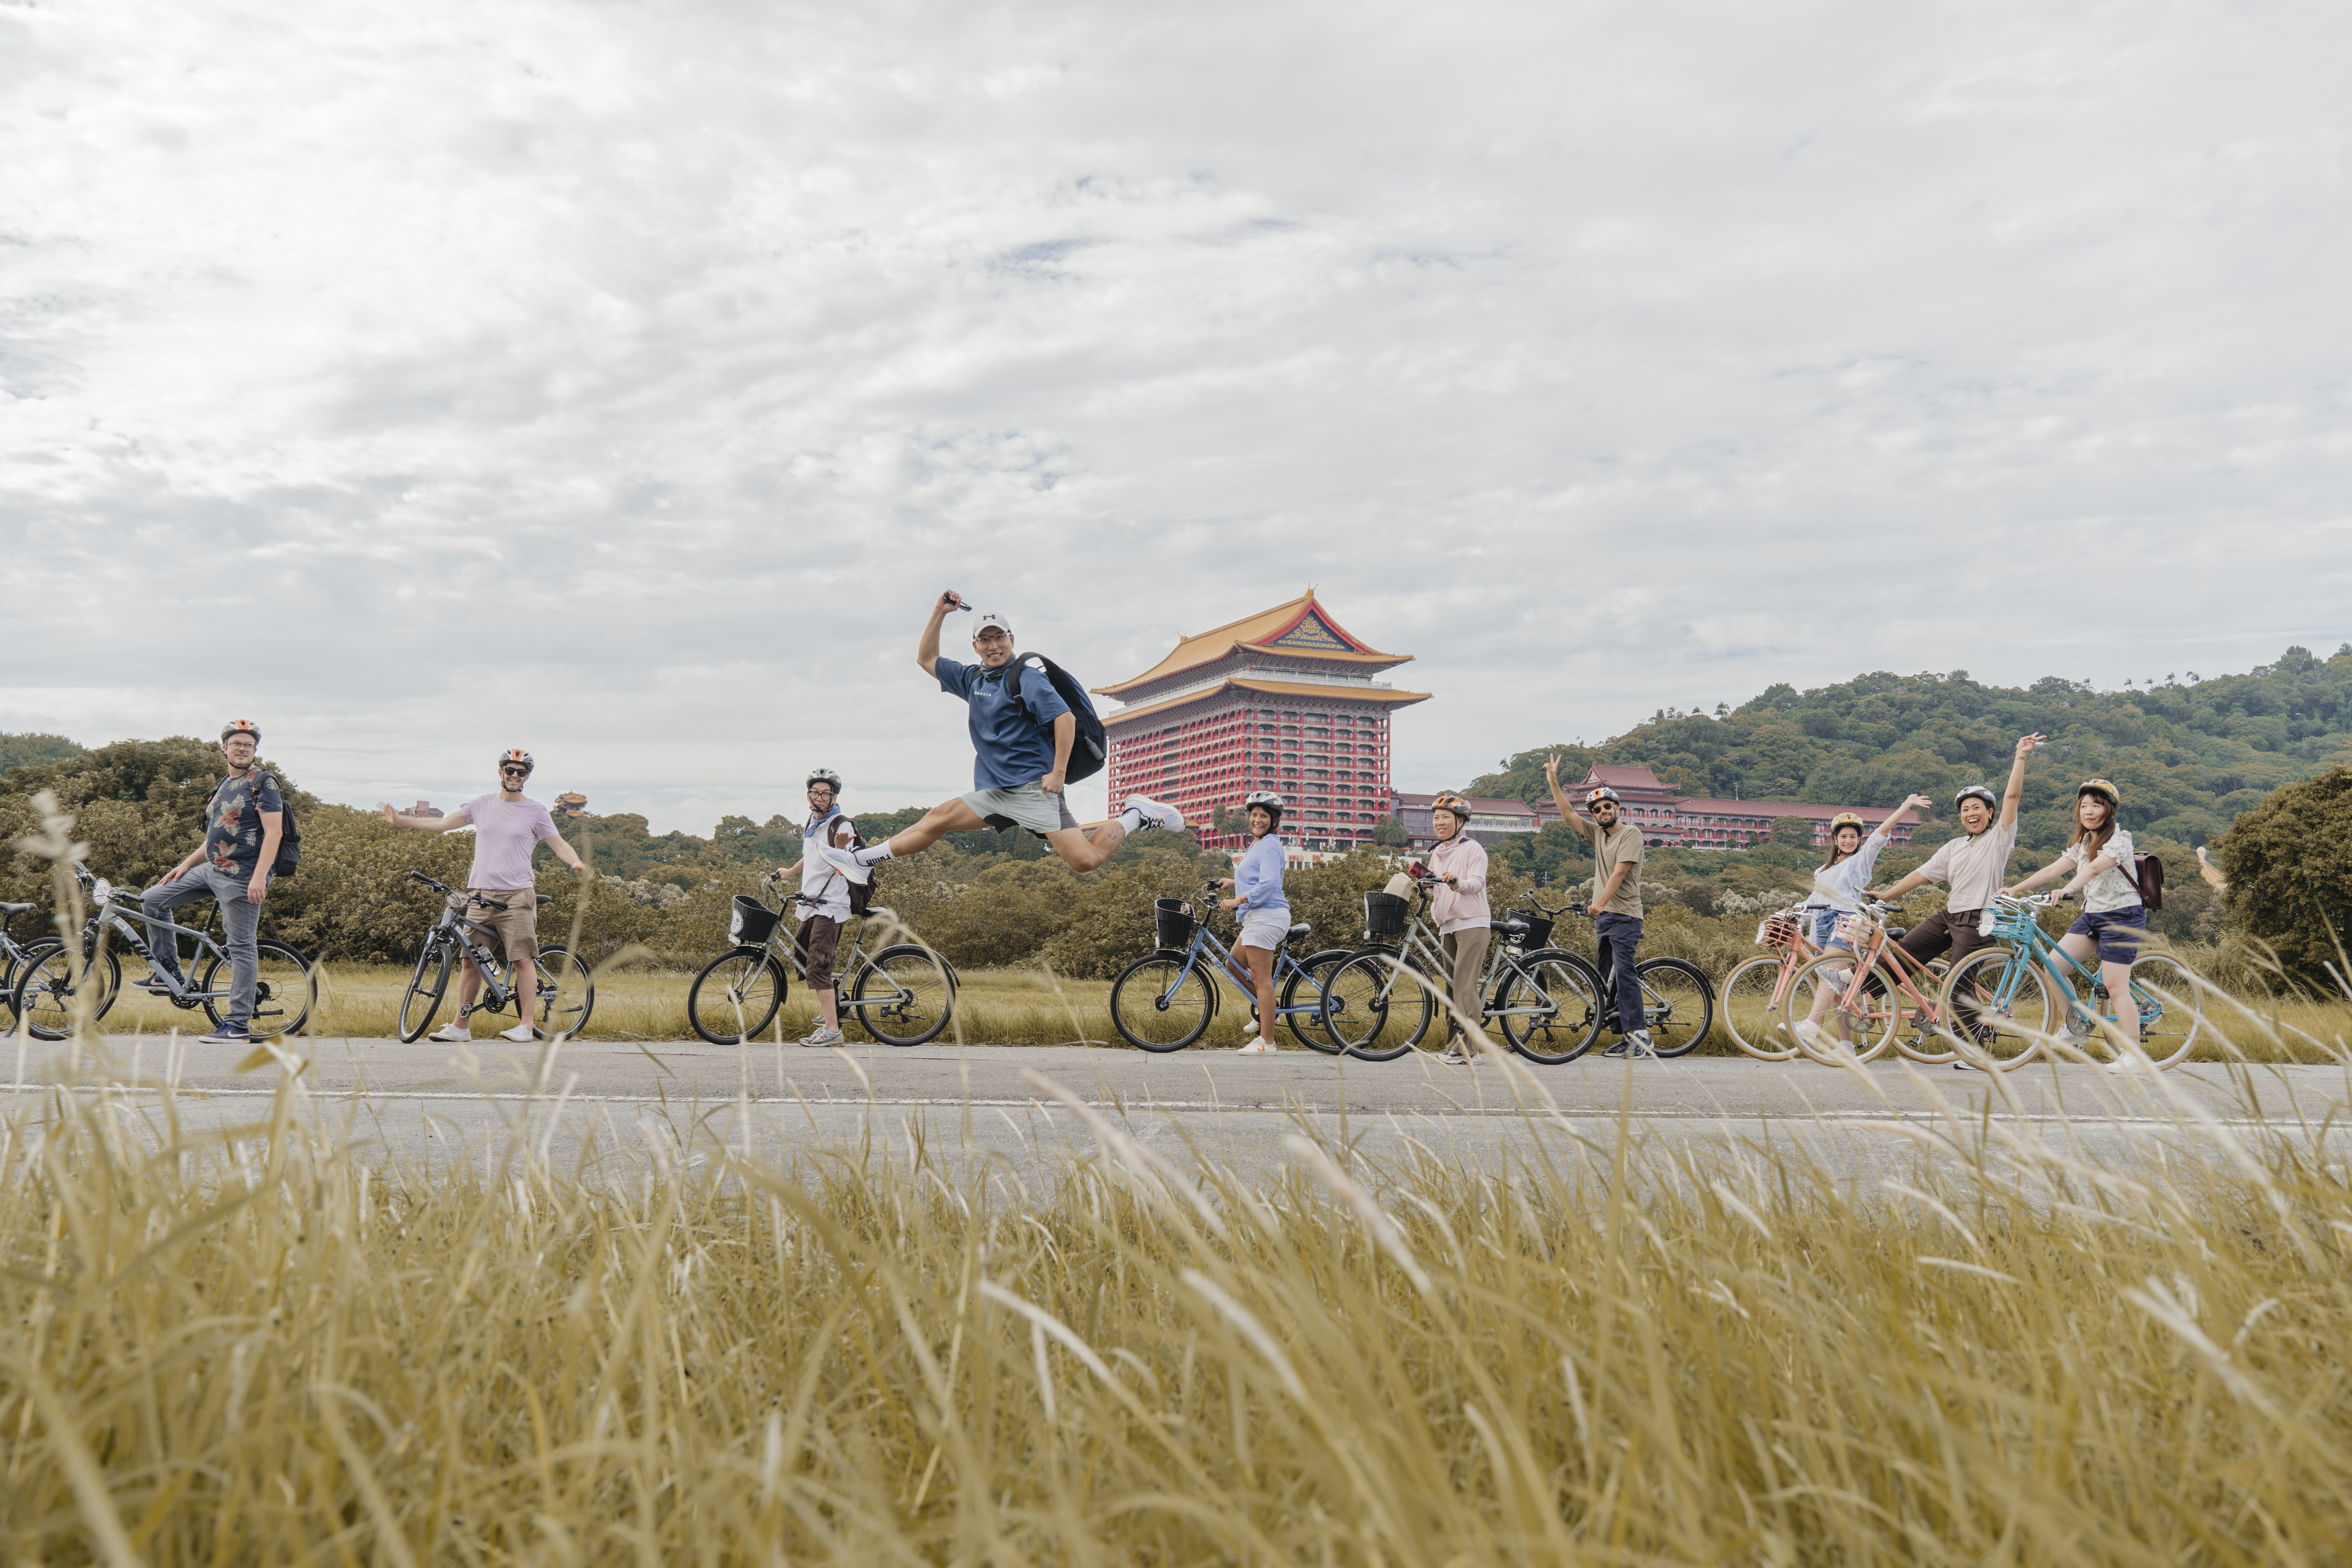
<point>14,957</point>
<point>1380,1003</point>
<point>1165,1000</point>
<point>565,994</point>
<point>1676,996</point>
<point>54,978</point>
<point>903,995</point>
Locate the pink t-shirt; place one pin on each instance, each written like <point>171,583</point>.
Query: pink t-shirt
<point>505,833</point>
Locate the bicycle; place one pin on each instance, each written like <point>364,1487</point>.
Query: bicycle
<point>1164,1001</point>
<point>904,995</point>
<point>1755,994</point>
<point>1677,998</point>
<point>2013,989</point>
<point>1858,1013</point>
<point>1548,1001</point>
<point>564,993</point>
<point>14,957</point>
<point>55,976</point>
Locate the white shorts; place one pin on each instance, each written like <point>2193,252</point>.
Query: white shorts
<point>1268,932</point>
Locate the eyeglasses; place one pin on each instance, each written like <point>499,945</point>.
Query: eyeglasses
<point>514,772</point>
<point>990,637</point>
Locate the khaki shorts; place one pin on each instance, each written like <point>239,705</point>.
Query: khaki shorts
<point>516,924</point>
<point>1022,806</point>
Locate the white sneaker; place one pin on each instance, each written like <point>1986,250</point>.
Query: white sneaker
<point>522,1034</point>
<point>845,862</point>
<point>1809,1035</point>
<point>824,1037</point>
<point>1254,1045</point>
<point>1155,814</point>
<point>452,1034</point>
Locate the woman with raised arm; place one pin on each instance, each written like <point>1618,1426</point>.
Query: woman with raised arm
<point>2113,921</point>
<point>1838,891</point>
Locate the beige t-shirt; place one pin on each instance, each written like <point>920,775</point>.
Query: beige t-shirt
<point>1975,868</point>
<point>1621,845</point>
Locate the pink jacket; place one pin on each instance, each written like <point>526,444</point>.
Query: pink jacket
<point>1463,905</point>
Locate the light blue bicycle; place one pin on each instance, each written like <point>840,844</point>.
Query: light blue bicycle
<point>2020,994</point>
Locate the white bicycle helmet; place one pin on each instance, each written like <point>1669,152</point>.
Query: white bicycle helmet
<point>823,776</point>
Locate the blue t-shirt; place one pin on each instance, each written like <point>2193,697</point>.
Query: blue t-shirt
<point>1008,746</point>
<point>233,821</point>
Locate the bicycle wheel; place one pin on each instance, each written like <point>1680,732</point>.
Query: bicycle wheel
<point>1568,991</point>
<point>1999,1006</point>
<point>1753,1014</point>
<point>1679,1002</point>
<point>567,994</point>
<point>283,991</point>
<point>1376,1010</point>
<point>736,995</point>
<point>1304,988</point>
<point>426,989</point>
<point>1157,1005</point>
<point>2171,1002</point>
<point>1858,1030</point>
<point>904,997</point>
<point>56,983</point>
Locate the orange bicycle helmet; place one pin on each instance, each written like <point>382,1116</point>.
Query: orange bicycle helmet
<point>516,757</point>
<point>241,727</point>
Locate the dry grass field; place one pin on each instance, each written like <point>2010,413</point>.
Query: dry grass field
<point>257,1349</point>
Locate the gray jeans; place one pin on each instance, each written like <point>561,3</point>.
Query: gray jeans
<point>238,918</point>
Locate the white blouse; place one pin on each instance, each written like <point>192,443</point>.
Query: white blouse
<point>2111,888</point>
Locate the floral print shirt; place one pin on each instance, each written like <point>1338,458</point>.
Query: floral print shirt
<point>233,821</point>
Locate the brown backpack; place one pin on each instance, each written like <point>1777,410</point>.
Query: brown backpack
<point>2149,872</point>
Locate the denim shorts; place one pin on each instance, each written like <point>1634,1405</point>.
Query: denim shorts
<point>2119,933</point>
<point>1824,932</point>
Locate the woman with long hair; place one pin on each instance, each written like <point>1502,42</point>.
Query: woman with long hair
<point>1837,892</point>
<point>1265,913</point>
<point>2113,921</point>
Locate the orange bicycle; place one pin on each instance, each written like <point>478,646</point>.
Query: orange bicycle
<point>1862,1024</point>
<point>1755,994</point>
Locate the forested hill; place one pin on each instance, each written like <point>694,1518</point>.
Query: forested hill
<point>2188,753</point>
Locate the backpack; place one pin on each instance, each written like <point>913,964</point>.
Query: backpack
<point>1088,750</point>
<point>289,837</point>
<point>861,894</point>
<point>2148,871</point>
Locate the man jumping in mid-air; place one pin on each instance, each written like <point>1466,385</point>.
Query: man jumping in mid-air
<point>1021,749</point>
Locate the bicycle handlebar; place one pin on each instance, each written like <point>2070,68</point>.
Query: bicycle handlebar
<point>421,877</point>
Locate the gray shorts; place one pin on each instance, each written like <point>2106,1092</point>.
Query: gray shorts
<point>1022,806</point>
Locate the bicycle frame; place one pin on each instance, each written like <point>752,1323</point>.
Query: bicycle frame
<point>112,915</point>
<point>1423,951</point>
<point>1651,1001</point>
<point>2029,945</point>
<point>473,941</point>
<point>1901,965</point>
<point>1285,965</point>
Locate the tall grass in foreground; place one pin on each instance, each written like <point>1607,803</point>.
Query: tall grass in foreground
<point>263,1348</point>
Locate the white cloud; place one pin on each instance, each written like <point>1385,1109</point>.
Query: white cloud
<point>624,381</point>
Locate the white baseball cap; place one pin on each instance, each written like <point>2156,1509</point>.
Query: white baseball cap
<point>988,620</point>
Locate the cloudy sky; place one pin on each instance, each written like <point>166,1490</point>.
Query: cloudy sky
<point>623,381</point>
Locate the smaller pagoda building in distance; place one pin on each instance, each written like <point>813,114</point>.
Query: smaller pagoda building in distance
<point>1284,700</point>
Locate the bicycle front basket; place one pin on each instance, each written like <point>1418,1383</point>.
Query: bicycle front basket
<point>753,922</point>
<point>1777,930</point>
<point>1173,921</point>
<point>1539,931</point>
<point>1384,914</point>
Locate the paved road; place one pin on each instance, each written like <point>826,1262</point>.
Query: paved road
<point>982,1102</point>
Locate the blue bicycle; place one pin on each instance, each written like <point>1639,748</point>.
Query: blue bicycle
<point>1165,1000</point>
<point>2020,994</point>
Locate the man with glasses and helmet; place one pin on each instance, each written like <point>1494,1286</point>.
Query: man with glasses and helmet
<point>1020,752</point>
<point>243,823</point>
<point>821,881</point>
<point>507,828</point>
<point>1616,906</point>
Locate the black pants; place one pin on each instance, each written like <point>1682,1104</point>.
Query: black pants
<point>1616,936</point>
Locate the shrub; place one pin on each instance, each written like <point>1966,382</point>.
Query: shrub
<point>2289,862</point>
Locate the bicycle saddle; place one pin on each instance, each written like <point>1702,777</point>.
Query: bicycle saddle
<point>546,898</point>
<point>1894,934</point>
<point>15,909</point>
<point>1509,927</point>
<point>1301,929</point>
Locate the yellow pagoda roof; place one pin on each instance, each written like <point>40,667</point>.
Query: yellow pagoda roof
<point>1297,629</point>
<point>1373,694</point>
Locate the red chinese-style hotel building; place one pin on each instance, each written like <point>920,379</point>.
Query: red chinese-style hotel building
<point>1285,700</point>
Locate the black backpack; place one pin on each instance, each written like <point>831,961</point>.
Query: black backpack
<point>289,837</point>
<point>1089,750</point>
<point>861,894</point>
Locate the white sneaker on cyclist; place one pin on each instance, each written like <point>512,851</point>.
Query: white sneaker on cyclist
<point>1154,814</point>
<point>452,1034</point>
<point>1453,1057</point>
<point>1253,1043</point>
<point>522,1034</point>
<point>845,862</point>
<point>1811,1035</point>
<point>824,1037</point>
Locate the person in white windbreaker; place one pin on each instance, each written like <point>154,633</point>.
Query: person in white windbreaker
<point>2113,921</point>
<point>1265,913</point>
<point>1837,891</point>
<point>1458,870</point>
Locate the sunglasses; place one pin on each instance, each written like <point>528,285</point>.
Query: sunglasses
<point>514,772</point>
